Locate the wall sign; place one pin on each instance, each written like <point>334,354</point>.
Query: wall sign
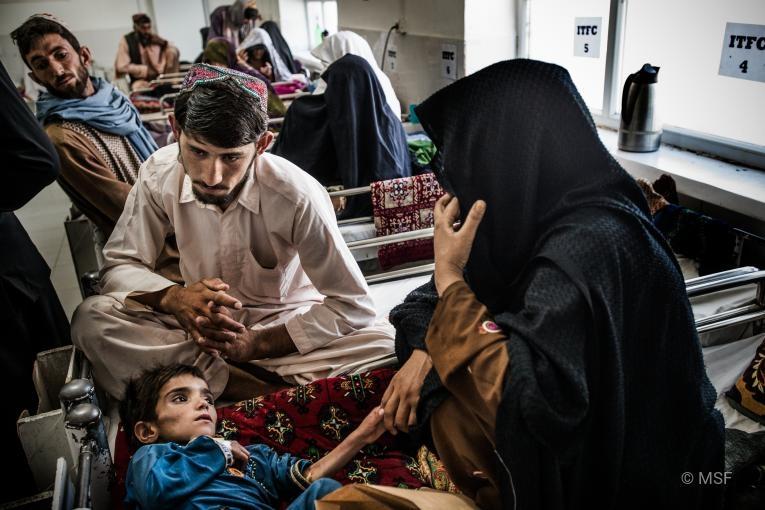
<point>390,58</point>
<point>587,37</point>
<point>449,61</point>
<point>743,52</point>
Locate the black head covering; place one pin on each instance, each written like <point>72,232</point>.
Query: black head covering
<point>280,44</point>
<point>348,135</point>
<point>606,399</point>
<point>519,136</point>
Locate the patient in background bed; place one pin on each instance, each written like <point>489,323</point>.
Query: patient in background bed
<point>170,411</point>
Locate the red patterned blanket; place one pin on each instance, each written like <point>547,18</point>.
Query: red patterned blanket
<point>403,205</point>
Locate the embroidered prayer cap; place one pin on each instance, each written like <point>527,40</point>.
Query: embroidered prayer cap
<point>201,74</point>
<point>50,17</point>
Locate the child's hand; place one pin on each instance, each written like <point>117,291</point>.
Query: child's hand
<point>372,427</point>
<point>241,455</point>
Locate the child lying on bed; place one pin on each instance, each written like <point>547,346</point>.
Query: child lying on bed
<point>170,412</point>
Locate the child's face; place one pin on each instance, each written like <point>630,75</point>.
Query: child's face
<point>185,409</point>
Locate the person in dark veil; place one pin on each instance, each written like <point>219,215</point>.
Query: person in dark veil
<point>566,360</point>
<point>281,46</point>
<point>347,135</point>
<point>31,316</point>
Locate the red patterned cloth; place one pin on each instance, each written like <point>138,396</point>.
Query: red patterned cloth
<point>308,421</point>
<point>403,205</point>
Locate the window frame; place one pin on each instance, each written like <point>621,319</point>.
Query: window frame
<point>728,149</point>
<point>308,20</point>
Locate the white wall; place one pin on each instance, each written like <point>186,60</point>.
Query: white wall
<point>96,24</point>
<point>440,18</point>
<point>292,14</point>
<point>179,21</point>
<point>428,25</point>
<point>483,32</point>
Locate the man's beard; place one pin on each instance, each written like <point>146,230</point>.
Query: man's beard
<point>145,40</point>
<point>75,92</point>
<point>224,200</point>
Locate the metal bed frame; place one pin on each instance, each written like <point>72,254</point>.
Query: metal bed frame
<point>83,416</point>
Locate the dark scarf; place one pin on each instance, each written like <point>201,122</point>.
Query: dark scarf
<point>606,399</point>
<point>280,44</point>
<point>133,42</point>
<point>347,135</point>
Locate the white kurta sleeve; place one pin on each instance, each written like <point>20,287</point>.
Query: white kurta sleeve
<point>329,264</point>
<point>137,240</point>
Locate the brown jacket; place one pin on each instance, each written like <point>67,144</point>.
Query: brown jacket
<point>97,172</point>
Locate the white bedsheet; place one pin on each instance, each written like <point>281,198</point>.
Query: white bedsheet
<point>386,295</point>
<point>725,364</point>
<point>725,356</point>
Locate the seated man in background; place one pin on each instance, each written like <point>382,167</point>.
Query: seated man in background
<point>97,132</point>
<point>143,56</point>
<point>271,285</point>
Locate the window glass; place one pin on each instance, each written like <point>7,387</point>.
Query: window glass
<point>685,39</point>
<point>552,32</point>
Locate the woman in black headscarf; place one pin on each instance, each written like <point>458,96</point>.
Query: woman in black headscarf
<point>568,373</point>
<point>348,135</point>
<point>281,46</point>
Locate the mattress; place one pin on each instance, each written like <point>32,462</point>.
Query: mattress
<point>359,232</point>
<point>386,295</point>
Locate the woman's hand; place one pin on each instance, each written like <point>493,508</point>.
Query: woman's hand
<point>452,246</point>
<point>241,58</point>
<point>403,394</point>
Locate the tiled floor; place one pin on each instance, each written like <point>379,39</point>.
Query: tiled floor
<point>43,218</point>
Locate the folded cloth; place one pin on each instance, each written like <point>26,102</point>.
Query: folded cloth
<point>748,394</point>
<point>289,87</point>
<point>403,205</point>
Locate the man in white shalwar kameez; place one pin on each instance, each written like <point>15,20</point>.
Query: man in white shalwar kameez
<point>269,279</point>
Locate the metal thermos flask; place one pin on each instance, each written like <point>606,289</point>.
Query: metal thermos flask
<point>640,129</point>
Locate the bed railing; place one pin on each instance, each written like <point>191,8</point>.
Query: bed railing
<point>162,99</point>
<point>735,278</point>
<point>84,419</point>
<point>424,233</point>
<point>693,282</point>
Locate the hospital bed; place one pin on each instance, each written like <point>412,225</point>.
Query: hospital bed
<point>724,302</point>
<point>729,312</point>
